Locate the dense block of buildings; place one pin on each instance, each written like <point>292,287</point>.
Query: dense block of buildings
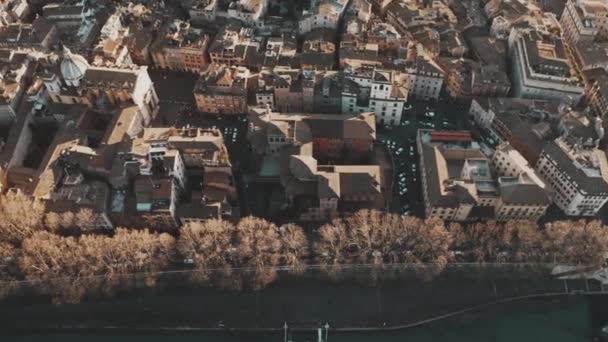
<point>318,160</point>
<point>83,129</point>
<point>185,176</point>
<point>466,78</point>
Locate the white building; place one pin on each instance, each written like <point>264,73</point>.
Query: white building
<point>585,20</point>
<point>379,91</point>
<point>577,177</point>
<point>322,14</point>
<point>541,68</point>
<point>425,78</point>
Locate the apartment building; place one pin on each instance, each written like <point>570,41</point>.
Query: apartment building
<point>585,20</point>
<point>234,45</point>
<point>156,202</point>
<point>180,47</point>
<point>577,176</point>
<point>201,11</point>
<point>222,90</point>
<point>322,14</point>
<point>425,76</point>
<point>39,36</point>
<point>65,15</point>
<point>523,194</point>
<point>596,93</point>
<point>383,92</point>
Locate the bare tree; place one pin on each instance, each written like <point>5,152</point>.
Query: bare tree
<point>68,220</point>
<point>54,265</point>
<point>482,242</point>
<point>20,216</point>
<point>376,238</point>
<point>526,242</point>
<point>68,268</point>
<point>85,219</point>
<point>576,242</point>
<point>8,269</point>
<point>435,244</point>
<point>52,221</point>
<point>330,247</point>
<point>143,253</point>
<point>294,248</point>
<point>210,247</point>
<point>259,250</point>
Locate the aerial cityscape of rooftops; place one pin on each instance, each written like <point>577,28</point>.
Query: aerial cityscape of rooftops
<point>260,134</point>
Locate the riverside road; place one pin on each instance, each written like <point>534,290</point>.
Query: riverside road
<point>350,303</point>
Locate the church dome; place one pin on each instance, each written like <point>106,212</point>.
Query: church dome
<point>73,67</point>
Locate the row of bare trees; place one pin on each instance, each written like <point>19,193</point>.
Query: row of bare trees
<point>67,268</point>
<point>246,254</point>
<point>560,242</point>
<point>21,217</point>
<point>250,253</point>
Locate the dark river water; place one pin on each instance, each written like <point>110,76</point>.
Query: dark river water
<point>569,319</point>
